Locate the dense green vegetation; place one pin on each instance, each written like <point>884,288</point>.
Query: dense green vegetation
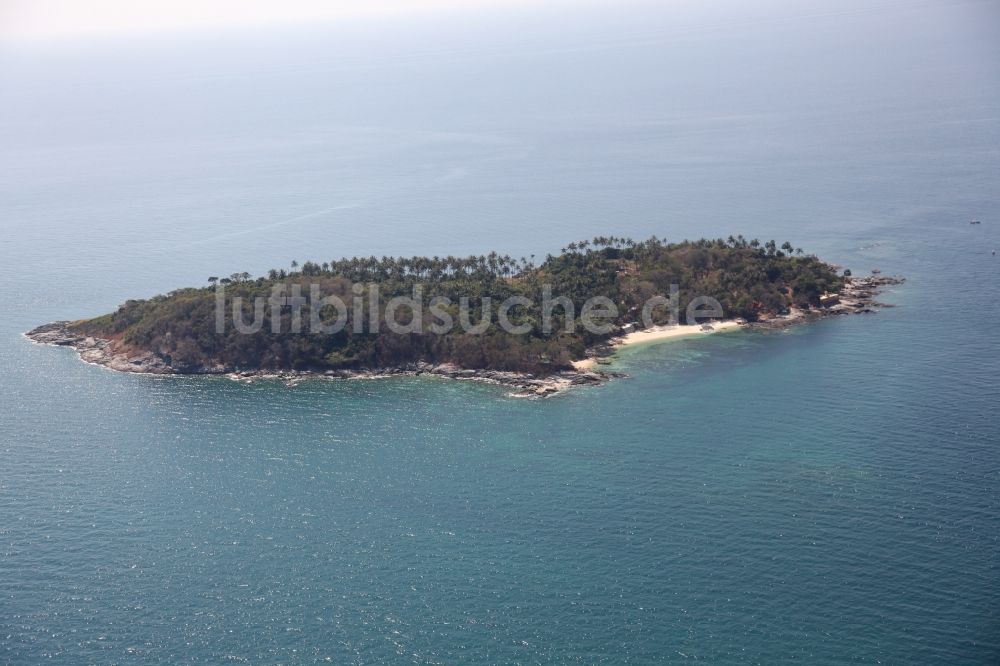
<point>749,279</point>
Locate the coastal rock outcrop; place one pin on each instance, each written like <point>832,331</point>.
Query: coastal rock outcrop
<point>115,356</point>
<point>100,351</point>
<point>857,297</point>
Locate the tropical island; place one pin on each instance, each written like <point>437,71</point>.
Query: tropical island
<point>441,315</point>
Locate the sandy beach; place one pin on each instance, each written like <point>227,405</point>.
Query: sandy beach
<point>657,334</point>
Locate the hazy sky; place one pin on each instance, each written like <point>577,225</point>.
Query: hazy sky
<point>46,19</point>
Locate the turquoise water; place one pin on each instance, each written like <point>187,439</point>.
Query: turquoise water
<point>825,495</point>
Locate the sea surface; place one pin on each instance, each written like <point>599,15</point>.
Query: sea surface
<point>823,495</point>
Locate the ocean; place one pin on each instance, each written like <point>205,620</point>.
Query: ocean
<point>828,494</point>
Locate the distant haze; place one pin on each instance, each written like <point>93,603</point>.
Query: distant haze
<point>47,19</point>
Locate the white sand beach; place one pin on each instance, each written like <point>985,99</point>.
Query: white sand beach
<point>658,334</point>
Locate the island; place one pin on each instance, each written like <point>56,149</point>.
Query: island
<point>537,327</point>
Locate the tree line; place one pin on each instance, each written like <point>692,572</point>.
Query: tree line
<point>749,278</point>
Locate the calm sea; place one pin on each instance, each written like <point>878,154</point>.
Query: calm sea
<point>826,495</point>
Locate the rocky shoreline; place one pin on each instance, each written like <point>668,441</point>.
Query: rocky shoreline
<point>858,297</point>
<point>106,353</point>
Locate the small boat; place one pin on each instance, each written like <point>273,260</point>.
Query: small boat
<point>974,222</point>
